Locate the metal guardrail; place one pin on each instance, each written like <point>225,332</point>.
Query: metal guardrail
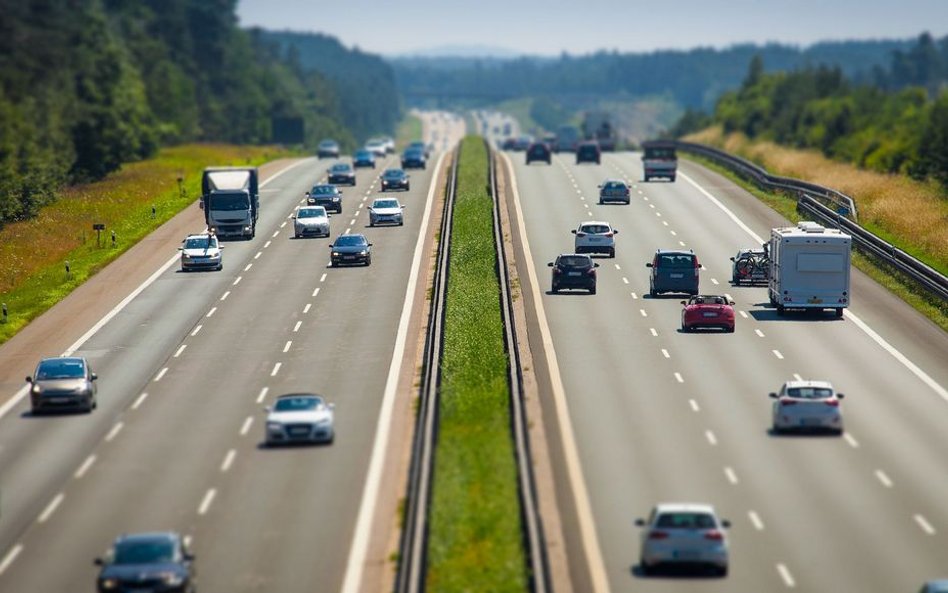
<point>812,199</point>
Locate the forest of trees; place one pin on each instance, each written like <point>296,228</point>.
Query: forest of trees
<point>86,85</point>
<point>895,120</point>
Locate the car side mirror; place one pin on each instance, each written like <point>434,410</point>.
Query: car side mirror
<point>93,376</point>
<point>595,265</point>
<point>648,265</point>
<point>772,395</point>
<point>98,562</point>
<point>573,231</point>
<point>640,522</point>
<point>370,245</point>
<point>403,205</point>
<point>180,248</point>
<point>30,379</point>
<point>615,231</point>
<point>732,258</point>
<point>550,264</point>
<point>840,395</point>
<point>732,303</point>
<point>293,217</point>
<point>201,204</point>
<point>330,245</point>
<point>684,302</point>
<point>726,524</point>
<point>190,557</point>
<point>332,406</point>
<point>221,247</point>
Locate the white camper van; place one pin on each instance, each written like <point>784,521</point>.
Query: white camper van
<point>809,268</point>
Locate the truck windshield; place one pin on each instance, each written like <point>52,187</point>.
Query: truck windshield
<point>663,154</point>
<point>230,202</point>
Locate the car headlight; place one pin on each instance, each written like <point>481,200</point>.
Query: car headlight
<point>171,579</point>
<point>364,252</point>
<point>109,583</point>
<point>324,422</point>
<point>335,198</point>
<point>185,256</point>
<point>336,254</point>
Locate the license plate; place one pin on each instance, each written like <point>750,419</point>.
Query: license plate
<point>573,274</point>
<point>686,554</point>
<point>710,314</point>
<point>348,257</point>
<point>809,422</point>
<point>815,301</point>
<point>58,400</point>
<point>676,275</point>
<point>299,432</point>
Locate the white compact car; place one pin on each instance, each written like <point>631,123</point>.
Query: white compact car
<point>311,220</point>
<point>684,535</point>
<point>386,210</point>
<point>300,418</point>
<point>807,406</point>
<point>201,252</point>
<point>595,236</point>
<point>377,146</point>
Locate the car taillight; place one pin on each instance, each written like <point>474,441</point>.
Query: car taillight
<point>657,535</point>
<point>591,271</point>
<point>787,402</point>
<point>833,403</point>
<point>608,234</point>
<point>557,271</point>
<point>580,234</point>
<point>714,534</point>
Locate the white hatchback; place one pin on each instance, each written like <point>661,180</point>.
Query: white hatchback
<point>311,220</point>
<point>807,406</point>
<point>594,236</point>
<point>684,535</point>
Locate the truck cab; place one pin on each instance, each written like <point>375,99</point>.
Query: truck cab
<point>231,201</point>
<point>659,160</point>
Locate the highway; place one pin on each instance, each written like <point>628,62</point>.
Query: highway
<point>184,372</point>
<point>658,415</point>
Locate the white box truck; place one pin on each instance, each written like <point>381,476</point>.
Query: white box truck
<point>230,197</point>
<point>809,268</point>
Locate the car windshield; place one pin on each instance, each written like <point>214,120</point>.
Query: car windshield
<point>385,204</point>
<point>297,404</point>
<point>708,300</point>
<point>394,173</point>
<point>350,241</point>
<point>418,145</point>
<point>323,190</point>
<point>311,213</point>
<point>685,520</point>
<point>65,368</point>
<point>234,201</point>
<point>810,392</point>
<point>200,243</point>
<point>363,154</point>
<point>151,551</point>
<point>676,261</point>
<point>538,148</point>
<point>595,229</point>
<point>614,185</point>
<point>574,261</point>
<point>340,168</point>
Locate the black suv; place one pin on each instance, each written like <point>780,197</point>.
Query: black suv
<point>673,271</point>
<point>538,151</point>
<point>158,562</point>
<point>572,270</point>
<point>588,152</point>
<point>325,195</point>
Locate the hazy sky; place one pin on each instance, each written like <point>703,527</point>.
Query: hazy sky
<point>549,27</point>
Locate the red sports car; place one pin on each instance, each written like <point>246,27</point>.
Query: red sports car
<point>707,311</point>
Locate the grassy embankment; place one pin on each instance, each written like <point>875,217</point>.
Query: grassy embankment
<point>475,538</point>
<point>33,252</point>
<point>909,214</point>
<point>409,130</point>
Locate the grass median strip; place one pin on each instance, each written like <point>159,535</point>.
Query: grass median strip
<point>475,534</point>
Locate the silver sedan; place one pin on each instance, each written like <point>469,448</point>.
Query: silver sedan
<point>684,535</point>
<point>311,220</point>
<point>300,418</point>
<point>386,210</point>
<point>807,405</point>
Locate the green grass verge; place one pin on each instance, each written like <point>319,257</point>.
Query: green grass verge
<point>475,534</point>
<point>928,305</point>
<point>409,130</point>
<point>35,251</point>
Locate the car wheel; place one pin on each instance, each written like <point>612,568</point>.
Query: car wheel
<point>407,188</point>
<point>685,328</point>
<point>371,223</point>
<point>592,290</point>
<point>730,329</point>
<point>554,289</point>
<point>780,309</point>
<point>839,311</point>
<point>401,223</point>
<point>646,569</point>
<point>368,260</point>
<point>612,252</point>
<point>721,571</point>
<point>672,179</point>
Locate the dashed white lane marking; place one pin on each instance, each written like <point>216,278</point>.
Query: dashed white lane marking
<point>307,307</point>
<point>653,332</point>
<point>759,333</point>
<point>275,234</point>
<point>316,292</point>
<point>681,243</point>
<point>10,557</point>
<point>225,295</point>
<point>785,575</point>
<point>883,478</point>
<point>797,376</point>
<point>851,440</point>
<point>287,347</point>
<point>237,280</point>
<point>267,244</point>
<point>731,476</point>
<point>276,369</point>
<point>728,297</point>
<point>296,327</point>
<point>743,314</point>
<point>642,311</point>
<point>651,205</point>
<point>323,277</point>
<point>263,394</point>
<point>283,224</point>
<point>777,354</point>
<point>228,460</point>
<point>248,266</point>
<point>625,280</point>
<point>713,440</point>
<point>659,214</point>
<point>582,198</point>
<point>161,374</point>
<point>51,508</point>
<point>674,234</point>
<point>679,378</point>
<point>665,222</point>
<point>180,349</point>
<point>259,253</point>
<point>634,296</point>
<point>694,405</point>
<point>84,467</point>
<point>116,428</point>
<point>617,267</point>
<point>245,428</point>
<point>196,330</point>
<point>347,230</point>
<point>352,222</point>
<point>715,281</point>
<point>755,519</point>
<point>665,353</point>
<point>211,312</point>
<point>925,525</point>
<point>206,501</point>
<point>139,401</point>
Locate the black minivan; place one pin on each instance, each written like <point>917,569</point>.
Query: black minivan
<point>673,271</point>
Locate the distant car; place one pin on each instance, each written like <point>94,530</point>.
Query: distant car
<point>595,236</point>
<point>588,152</point>
<point>807,406</point>
<point>201,252</point>
<point>420,145</point>
<point>351,249</point>
<point>341,174</point>
<point>386,210</point>
<point>709,311</point>
<point>325,195</point>
<point>683,535</point>
<point>395,179</point>
<point>414,158</point>
<point>300,418</point>
<point>673,271</point>
<point>389,144</point>
<point>63,383</point>
<point>328,149</point>
<point>363,158</point>
<point>614,190</point>
<point>538,151</point>
<point>311,220</point>
<point>158,562</point>
<point>377,146</point>
<point>573,270</point>
<point>750,266</point>
<point>522,143</point>
<point>936,586</point>
<point>509,144</point>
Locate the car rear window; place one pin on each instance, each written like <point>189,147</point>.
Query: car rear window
<point>574,261</point>
<point>676,261</point>
<point>614,185</point>
<point>685,521</point>
<point>810,392</point>
<point>595,229</point>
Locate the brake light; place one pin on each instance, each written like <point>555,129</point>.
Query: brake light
<point>591,272</point>
<point>657,535</point>
<point>608,234</point>
<point>580,234</point>
<point>714,534</point>
<point>833,403</point>
<point>787,402</point>
<point>557,271</point>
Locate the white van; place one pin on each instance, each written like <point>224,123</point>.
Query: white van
<point>809,268</point>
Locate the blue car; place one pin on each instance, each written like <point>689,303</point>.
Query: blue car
<point>363,158</point>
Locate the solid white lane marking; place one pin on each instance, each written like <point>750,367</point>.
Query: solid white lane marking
<point>924,524</point>
<point>267,244</point>
<point>759,333</point>
<point>50,508</point>
<point>743,314</point>
<point>851,440</point>
<point>724,208</point>
<point>263,394</point>
<point>323,277</point>
<point>367,507</point>
<point>694,405</point>
<point>10,557</point>
<point>248,266</point>
<point>161,374</point>
<point>84,467</point>
<point>245,428</point>
<point>237,280</point>
<point>296,327</point>
<point>259,253</point>
<point>713,440</point>
<point>206,501</point>
<point>786,576</point>
<point>276,369</point>
<point>228,460</point>
<point>665,353</point>
<point>287,347</point>
<point>316,292</point>
<point>625,280</point>
<point>731,476</point>
<point>883,478</point>
<point>139,401</point>
<point>777,354</point>
<point>679,378</point>
<point>755,519</point>
<point>196,330</point>
<point>180,349</point>
<point>211,312</point>
<point>307,307</point>
<point>116,428</point>
<point>642,311</point>
<point>653,332</point>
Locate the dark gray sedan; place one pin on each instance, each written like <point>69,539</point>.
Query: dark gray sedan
<point>351,249</point>
<point>63,383</point>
